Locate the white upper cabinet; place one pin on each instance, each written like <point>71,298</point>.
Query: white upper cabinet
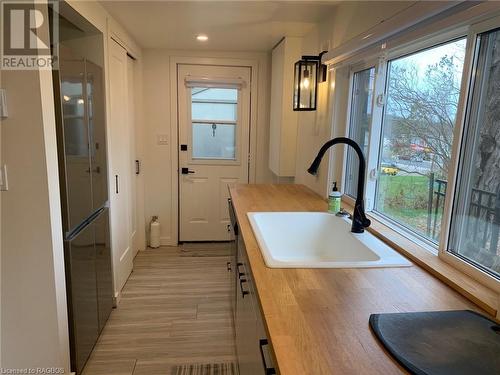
<point>283,127</point>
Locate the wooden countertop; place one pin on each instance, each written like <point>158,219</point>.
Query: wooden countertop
<point>317,319</point>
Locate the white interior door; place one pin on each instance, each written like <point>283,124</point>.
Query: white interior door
<point>137,137</point>
<point>120,166</point>
<point>214,118</point>
<point>132,155</point>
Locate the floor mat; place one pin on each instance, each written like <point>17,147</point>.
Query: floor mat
<point>206,369</point>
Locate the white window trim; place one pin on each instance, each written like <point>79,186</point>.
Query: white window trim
<point>468,25</point>
<point>367,64</point>
<point>375,133</point>
<point>237,124</point>
<point>378,62</point>
<point>462,121</point>
<point>352,70</point>
<point>398,52</point>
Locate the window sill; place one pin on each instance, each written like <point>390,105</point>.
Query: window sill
<point>471,289</point>
<point>405,232</point>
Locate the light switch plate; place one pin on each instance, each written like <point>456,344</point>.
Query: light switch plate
<point>162,139</point>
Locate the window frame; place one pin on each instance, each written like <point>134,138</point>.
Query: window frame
<point>237,124</point>
<point>375,62</point>
<point>418,47</point>
<point>468,29</point>
<point>354,69</point>
<point>453,175</point>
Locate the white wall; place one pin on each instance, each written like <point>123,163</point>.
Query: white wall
<point>348,20</point>
<point>157,99</point>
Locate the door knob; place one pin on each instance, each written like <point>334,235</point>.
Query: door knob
<point>186,171</point>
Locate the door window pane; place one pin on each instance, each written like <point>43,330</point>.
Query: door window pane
<point>213,111</point>
<point>214,123</point>
<point>360,119</point>
<point>417,133</point>
<point>214,141</point>
<point>476,212</point>
<point>214,104</point>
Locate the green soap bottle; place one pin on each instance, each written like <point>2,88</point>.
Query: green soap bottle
<point>334,200</point>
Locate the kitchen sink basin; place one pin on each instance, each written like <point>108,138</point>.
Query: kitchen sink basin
<point>318,240</point>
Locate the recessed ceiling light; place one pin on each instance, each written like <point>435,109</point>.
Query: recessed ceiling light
<point>202,37</point>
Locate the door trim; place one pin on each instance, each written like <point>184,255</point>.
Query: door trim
<point>174,129</point>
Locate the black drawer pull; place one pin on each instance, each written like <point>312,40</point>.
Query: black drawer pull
<point>229,266</point>
<point>243,292</point>
<point>268,370</point>
<point>238,269</point>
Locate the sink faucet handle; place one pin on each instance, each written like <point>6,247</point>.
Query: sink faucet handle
<point>366,222</point>
<point>360,210</point>
<point>343,213</point>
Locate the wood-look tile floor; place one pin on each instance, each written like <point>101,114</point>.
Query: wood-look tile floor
<point>175,309</point>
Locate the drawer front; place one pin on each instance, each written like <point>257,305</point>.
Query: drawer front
<point>252,346</point>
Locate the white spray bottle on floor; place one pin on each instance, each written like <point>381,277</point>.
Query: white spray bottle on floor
<point>154,233</point>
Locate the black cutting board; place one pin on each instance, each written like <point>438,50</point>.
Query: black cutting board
<point>440,342</point>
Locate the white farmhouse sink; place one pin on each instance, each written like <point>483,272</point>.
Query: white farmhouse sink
<point>318,240</point>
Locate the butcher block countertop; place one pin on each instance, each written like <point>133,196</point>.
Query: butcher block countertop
<point>317,319</point>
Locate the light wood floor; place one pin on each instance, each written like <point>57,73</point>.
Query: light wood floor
<point>175,309</point>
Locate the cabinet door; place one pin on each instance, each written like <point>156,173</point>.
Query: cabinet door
<point>246,326</point>
<point>232,278</point>
<point>267,361</point>
<point>232,264</point>
<point>247,329</point>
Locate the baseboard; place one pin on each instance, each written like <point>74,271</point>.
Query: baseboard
<point>124,254</point>
<point>116,299</point>
<point>166,241</point>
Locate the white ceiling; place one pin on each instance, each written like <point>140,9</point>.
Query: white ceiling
<point>230,25</point>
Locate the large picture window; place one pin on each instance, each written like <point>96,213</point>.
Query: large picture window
<point>422,95</point>
<point>476,213</point>
<point>425,110</point>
